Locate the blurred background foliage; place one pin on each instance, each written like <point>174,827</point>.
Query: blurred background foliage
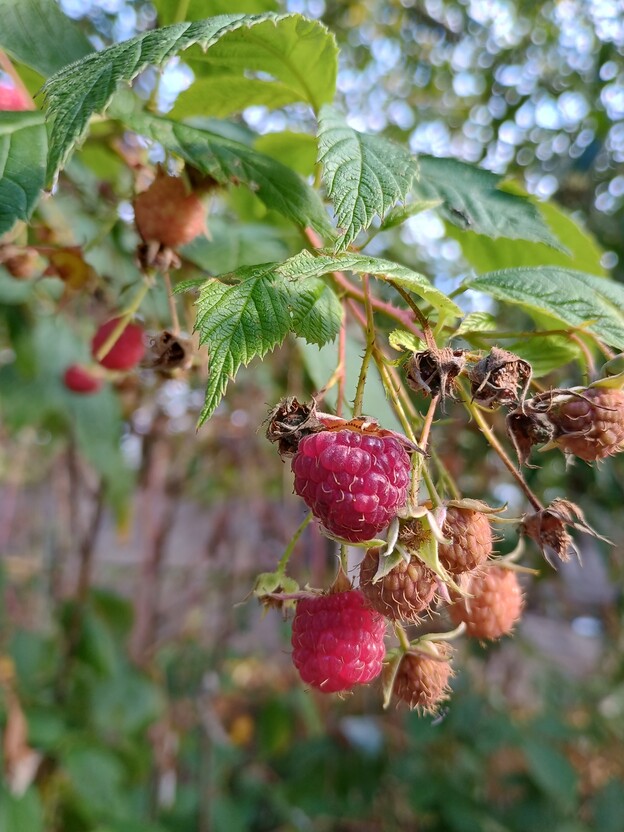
<point>137,691</point>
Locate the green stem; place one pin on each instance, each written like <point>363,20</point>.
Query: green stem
<point>370,345</point>
<point>124,318</point>
<point>402,637</point>
<point>283,563</point>
<point>491,437</point>
<point>181,11</point>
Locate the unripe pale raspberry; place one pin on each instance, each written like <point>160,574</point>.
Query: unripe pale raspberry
<point>127,350</point>
<point>471,540</point>
<point>589,425</point>
<point>79,380</point>
<point>493,606</point>
<point>402,594</point>
<point>168,214</point>
<point>338,641</point>
<point>12,98</point>
<point>422,681</point>
<point>354,482</point>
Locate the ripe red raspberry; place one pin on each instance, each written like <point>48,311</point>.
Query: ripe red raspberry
<point>355,483</point>
<point>589,425</point>
<point>127,350</point>
<point>168,214</point>
<point>422,681</point>
<point>471,540</point>
<point>338,642</point>
<point>402,594</point>
<point>493,606</point>
<point>79,380</point>
<point>12,98</point>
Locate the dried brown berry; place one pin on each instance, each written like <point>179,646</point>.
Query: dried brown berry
<point>548,528</point>
<point>434,372</point>
<point>495,380</point>
<point>401,595</point>
<point>589,423</point>
<point>471,540</point>
<point>422,681</point>
<point>493,606</point>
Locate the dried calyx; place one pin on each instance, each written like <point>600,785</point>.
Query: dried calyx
<point>549,529</point>
<point>495,379</point>
<point>434,371</point>
<point>289,422</point>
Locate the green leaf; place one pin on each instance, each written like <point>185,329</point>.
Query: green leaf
<point>317,312</point>
<point>38,34</point>
<point>305,264</point>
<point>270,65</point>
<point>23,148</point>
<point>476,322</point>
<point>545,353</point>
<point>297,150</point>
<point>168,10</point>
<point>484,255</point>
<point>576,299</point>
<point>233,244</point>
<point>403,212</point>
<point>364,175</point>
<point>552,772</point>
<point>400,340</point>
<point>86,87</point>
<point>252,316</point>
<point>20,813</point>
<point>473,201</point>
<point>228,161</point>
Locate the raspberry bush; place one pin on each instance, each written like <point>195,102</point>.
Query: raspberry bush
<point>167,270</point>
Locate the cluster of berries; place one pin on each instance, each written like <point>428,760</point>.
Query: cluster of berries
<point>167,216</point>
<point>355,478</point>
<point>127,348</point>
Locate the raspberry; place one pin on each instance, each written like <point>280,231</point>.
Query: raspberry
<point>589,425</point>
<point>338,642</point>
<point>471,540</point>
<point>403,593</point>
<point>127,350</point>
<point>12,98</point>
<point>493,606</point>
<point>168,214</point>
<point>79,380</point>
<point>422,681</point>
<point>354,482</point>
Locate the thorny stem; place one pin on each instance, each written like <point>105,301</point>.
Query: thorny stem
<point>124,319</point>
<point>399,315</point>
<point>489,434</point>
<point>424,436</point>
<point>283,562</point>
<point>342,363</point>
<point>173,309</point>
<point>370,346</point>
<point>428,336</point>
<point>421,469</point>
<point>344,558</point>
